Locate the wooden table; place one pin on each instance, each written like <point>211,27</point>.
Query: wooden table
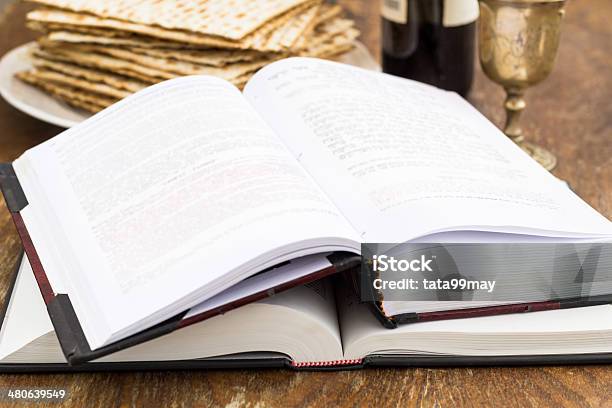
<point>570,113</point>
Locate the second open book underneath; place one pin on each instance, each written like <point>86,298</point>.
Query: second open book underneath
<point>189,187</point>
<point>317,325</point>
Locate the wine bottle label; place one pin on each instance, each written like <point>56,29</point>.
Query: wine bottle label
<point>459,12</point>
<point>395,10</point>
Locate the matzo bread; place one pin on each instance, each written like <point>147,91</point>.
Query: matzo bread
<point>209,56</point>
<point>91,37</point>
<point>47,20</point>
<point>232,19</point>
<point>161,49</point>
<point>89,101</point>
<point>287,34</point>
<point>327,12</point>
<point>216,58</point>
<point>94,50</point>
<point>47,75</point>
<point>116,81</point>
<point>334,46</point>
<point>327,32</point>
<point>104,63</point>
<point>152,66</point>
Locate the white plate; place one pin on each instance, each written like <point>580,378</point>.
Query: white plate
<point>41,105</point>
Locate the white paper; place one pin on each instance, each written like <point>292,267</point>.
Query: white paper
<point>165,199</point>
<point>294,270</point>
<point>402,159</point>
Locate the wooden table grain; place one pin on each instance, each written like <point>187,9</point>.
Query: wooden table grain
<point>570,113</point>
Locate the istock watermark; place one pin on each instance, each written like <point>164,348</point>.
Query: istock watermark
<point>506,272</point>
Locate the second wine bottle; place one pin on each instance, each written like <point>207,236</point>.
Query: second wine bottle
<point>431,41</point>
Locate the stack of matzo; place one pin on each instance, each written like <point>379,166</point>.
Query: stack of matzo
<point>95,52</point>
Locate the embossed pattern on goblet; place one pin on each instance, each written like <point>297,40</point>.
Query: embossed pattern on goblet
<point>519,40</point>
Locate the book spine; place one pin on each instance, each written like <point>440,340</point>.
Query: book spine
<point>11,189</point>
<point>16,201</point>
<point>323,364</point>
<point>489,311</point>
<point>68,329</point>
<point>44,285</point>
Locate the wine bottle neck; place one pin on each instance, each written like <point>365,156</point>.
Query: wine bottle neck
<point>448,13</point>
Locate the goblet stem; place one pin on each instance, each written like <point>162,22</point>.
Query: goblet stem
<point>515,104</point>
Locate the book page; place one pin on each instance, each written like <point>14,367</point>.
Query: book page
<point>167,198</point>
<point>567,331</point>
<point>264,282</point>
<point>25,305</point>
<point>403,159</point>
<point>301,323</point>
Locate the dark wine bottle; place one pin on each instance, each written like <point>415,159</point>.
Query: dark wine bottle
<point>431,41</point>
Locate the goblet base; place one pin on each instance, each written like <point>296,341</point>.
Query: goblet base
<point>539,154</point>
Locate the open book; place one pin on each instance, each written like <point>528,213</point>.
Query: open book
<point>319,325</point>
<point>189,187</point>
